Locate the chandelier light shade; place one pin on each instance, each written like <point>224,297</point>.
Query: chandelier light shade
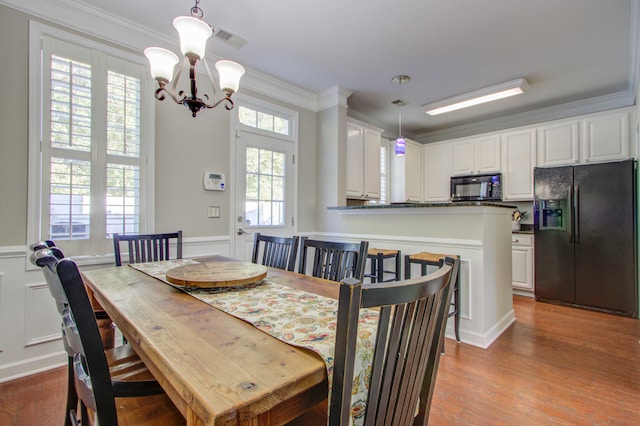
<point>194,33</point>
<point>230,74</point>
<point>477,97</point>
<point>161,62</point>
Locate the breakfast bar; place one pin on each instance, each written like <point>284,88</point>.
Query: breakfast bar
<point>479,232</point>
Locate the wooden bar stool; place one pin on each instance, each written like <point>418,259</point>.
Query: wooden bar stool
<point>425,259</point>
<point>377,257</point>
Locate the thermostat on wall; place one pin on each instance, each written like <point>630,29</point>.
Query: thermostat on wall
<point>213,181</point>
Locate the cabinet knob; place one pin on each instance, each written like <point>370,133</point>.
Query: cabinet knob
<point>515,241</point>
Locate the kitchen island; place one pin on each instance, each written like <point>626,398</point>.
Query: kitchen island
<point>480,233</point>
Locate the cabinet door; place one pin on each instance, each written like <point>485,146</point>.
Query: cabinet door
<point>558,144</point>
<point>522,262</point>
<point>486,153</point>
<point>413,182</point>
<point>606,137</point>
<point>437,175</point>
<point>355,164</point>
<point>463,157</point>
<point>519,158</point>
<point>371,165</point>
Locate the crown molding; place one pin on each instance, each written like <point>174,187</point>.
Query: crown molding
<point>613,101</point>
<point>80,17</point>
<point>335,96</point>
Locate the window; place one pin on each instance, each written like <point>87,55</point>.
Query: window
<point>92,157</point>
<point>264,121</point>
<point>384,167</point>
<point>384,173</point>
<point>265,187</point>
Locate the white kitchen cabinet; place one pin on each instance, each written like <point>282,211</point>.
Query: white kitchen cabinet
<point>363,161</point>
<point>518,151</point>
<point>437,172</point>
<point>406,174</point>
<point>558,144</point>
<point>606,137</point>
<point>522,262</point>
<point>476,155</point>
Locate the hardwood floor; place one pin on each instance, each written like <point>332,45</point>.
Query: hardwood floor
<point>555,366</point>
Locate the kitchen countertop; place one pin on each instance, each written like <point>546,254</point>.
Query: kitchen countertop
<point>422,205</point>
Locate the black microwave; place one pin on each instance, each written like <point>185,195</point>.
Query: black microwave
<point>476,188</point>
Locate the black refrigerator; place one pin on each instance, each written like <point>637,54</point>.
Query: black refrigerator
<point>586,236</point>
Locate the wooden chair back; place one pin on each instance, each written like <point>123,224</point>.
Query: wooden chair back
<point>277,252</point>
<point>147,247</point>
<point>410,332</point>
<point>334,261</point>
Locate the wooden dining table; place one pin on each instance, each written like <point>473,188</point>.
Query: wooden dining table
<point>217,369</point>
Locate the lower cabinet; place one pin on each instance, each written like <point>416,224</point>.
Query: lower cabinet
<point>522,264</point>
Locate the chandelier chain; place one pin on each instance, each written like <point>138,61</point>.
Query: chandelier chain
<point>196,11</point>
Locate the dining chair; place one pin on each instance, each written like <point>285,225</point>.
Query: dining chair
<point>128,376</point>
<point>147,247</point>
<point>411,326</point>
<point>277,252</point>
<point>334,261</point>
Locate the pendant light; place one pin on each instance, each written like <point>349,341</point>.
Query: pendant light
<point>400,145</point>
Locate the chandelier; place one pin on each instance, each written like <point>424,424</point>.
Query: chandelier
<point>193,32</point>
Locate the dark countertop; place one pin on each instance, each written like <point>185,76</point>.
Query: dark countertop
<point>525,228</point>
<point>422,205</point>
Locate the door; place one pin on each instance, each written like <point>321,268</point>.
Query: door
<point>553,226</point>
<point>605,241</point>
<point>264,180</point>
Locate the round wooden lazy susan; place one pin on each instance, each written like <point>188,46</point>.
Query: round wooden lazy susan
<point>217,274</point>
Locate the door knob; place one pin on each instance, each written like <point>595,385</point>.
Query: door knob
<point>242,231</point>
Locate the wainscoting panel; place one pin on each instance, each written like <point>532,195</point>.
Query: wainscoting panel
<point>42,320</point>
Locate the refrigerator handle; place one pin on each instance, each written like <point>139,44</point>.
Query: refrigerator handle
<point>576,213</point>
<point>572,215</point>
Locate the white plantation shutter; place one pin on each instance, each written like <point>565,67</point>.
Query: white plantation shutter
<point>92,168</point>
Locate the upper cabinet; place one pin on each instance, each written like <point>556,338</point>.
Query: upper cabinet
<point>518,149</point>
<point>594,138</point>
<point>406,175</point>
<point>558,144</point>
<point>363,161</point>
<point>476,155</point>
<point>606,137</point>
<point>437,172</point>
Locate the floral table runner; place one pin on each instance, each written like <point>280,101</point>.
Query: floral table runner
<point>293,316</point>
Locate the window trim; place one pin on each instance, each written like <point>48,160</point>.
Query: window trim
<point>147,134</point>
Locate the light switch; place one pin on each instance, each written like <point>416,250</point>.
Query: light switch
<point>214,211</point>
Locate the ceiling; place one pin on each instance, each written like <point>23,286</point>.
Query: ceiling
<point>571,52</point>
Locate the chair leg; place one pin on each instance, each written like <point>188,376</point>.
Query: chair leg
<point>398,265</point>
<point>456,301</point>
<point>373,269</point>
<point>380,267</point>
<point>407,268</point>
<point>72,397</point>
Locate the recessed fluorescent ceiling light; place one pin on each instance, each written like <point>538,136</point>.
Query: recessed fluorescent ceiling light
<point>480,96</point>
